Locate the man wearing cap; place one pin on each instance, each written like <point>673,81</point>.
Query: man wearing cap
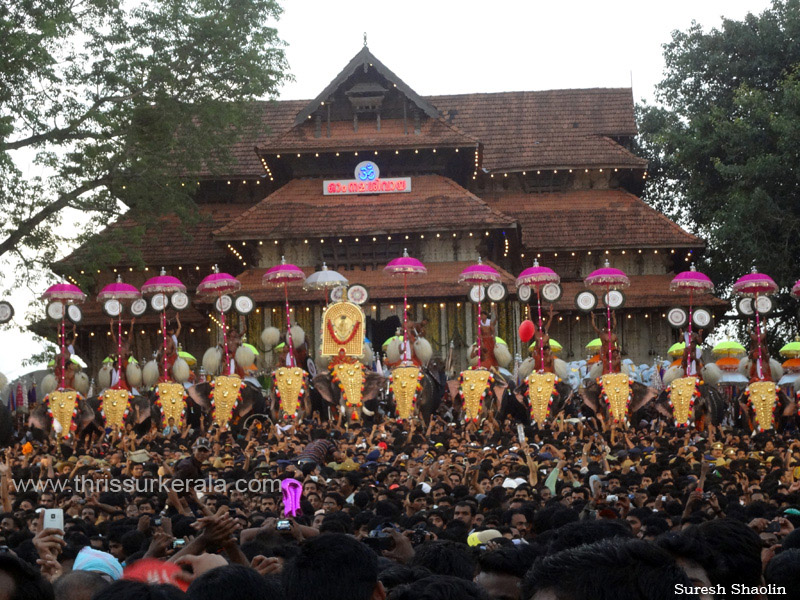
<point>191,467</point>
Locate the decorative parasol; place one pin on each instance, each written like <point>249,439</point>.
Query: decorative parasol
<point>677,349</point>
<point>285,274</point>
<point>791,350</point>
<point>554,346</point>
<point>325,279</point>
<point>479,274</point>
<point>728,348</point>
<point>189,358</point>
<point>119,291</point>
<point>692,281</point>
<point>594,345</point>
<point>405,266</point>
<point>796,289</point>
<point>163,284</point>
<point>68,294</point>
<point>537,276</point>
<point>756,284</point>
<point>609,279</point>
<point>218,284</point>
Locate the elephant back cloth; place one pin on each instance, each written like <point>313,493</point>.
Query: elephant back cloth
<point>319,451</point>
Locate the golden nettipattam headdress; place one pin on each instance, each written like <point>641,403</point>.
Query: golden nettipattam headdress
<point>475,385</point>
<point>170,398</point>
<point>616,390</point>
<point>290,386</point>
<point>62,405</point>
<point>226,393</point>
<point>343,330</point>
<point>763,397</point>
<point>351,378</point>
<point>115,407</point>
<point>682,394</point>
<point>406,382</point>
<point>541,389</point>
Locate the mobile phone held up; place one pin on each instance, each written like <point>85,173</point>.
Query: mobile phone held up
<point>283,525</point>
<point>54,518</point>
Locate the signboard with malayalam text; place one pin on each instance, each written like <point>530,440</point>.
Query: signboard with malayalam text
<point>367,180</point>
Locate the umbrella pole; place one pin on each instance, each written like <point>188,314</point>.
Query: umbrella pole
<point>63,347</point>
<point>480,322</point>
<point>608,328</point>
<point>687,344</point>
<point>119,344</point>
<point>406,353</point>
<point>759,368</point>
<point>164,338</point>
<point>224,336</point>
<point>288,327</point>
<point>539,349</point>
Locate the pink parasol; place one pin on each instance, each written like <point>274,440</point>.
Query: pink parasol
<point>67,293</point>
<point>218,284</point>
<point>796,289</point>
<point>538,276</point>
<point>479,274</point>
<point>692,281</point>
<point>405,266</point>
<point>285,274</point>
<point>64,292</point>
<point>119,291</point>
<point>163,284</point>
<point>756,284</point>
<point>609,279</point>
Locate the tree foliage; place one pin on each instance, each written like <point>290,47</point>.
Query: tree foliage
<point>113,101</point>
<point>724,143</point>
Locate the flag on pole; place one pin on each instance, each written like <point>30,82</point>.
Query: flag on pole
<point>12,405</point>
<point>32,394</point>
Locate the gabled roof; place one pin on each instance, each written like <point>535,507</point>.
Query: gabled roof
<point>554,129</point>
<point>365,59</point>
<point>393,135</point>
<point>167,244</point>
<point>590,220</point>
<point>299,209</point>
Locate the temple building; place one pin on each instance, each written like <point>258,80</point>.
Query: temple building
<point>370,168</point>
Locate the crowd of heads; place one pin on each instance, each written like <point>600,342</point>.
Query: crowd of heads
<point>402,510</point>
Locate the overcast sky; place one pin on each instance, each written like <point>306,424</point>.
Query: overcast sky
<point>449,47</point>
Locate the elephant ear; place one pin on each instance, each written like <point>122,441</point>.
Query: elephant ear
<point>642,395</point>
<point>715,403</point>
<point>200,394</point>
<point>323,385</point>
<point>373,382</point>
<point>591,397</point>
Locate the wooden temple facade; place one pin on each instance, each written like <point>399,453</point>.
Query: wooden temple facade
<point>508,177</point>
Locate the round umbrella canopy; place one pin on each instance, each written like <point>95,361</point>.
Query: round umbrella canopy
<point>64,292</point>
<point>792,349</point>
<point>284,273</point>
<point>728,363</point>
<point>755,283</point>
<point>537,275</point>
<point>796,289</point>
<point>324,279</point>
<point>479,274</point>
<point>595,344</point>
<point>728,348</point>
<point>163,284</point>
<point>792,363</point>
<point>119,291</point>
<point>391,339</point>
<point>554,346</point>
<point>405,265</point>
<point>190,360</point>
<point>692,281</point>
<point>677,349</point>
<point>218,283</point>
<point>607,277</point>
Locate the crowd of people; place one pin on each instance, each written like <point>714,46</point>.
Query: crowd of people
<point>489,510</point>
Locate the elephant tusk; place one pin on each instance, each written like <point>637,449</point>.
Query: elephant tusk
<point>367,411</point>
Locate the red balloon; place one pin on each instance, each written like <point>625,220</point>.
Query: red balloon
<point>526,330</point>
